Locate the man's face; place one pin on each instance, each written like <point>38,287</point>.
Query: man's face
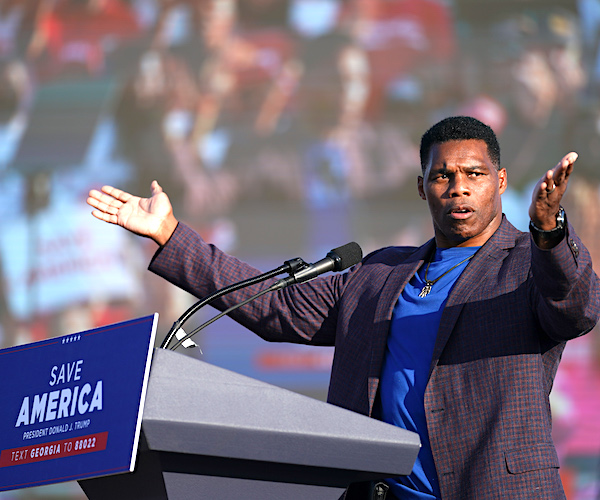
<point>463,188</point>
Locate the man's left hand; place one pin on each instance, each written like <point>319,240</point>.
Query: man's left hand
<point>549,191</point>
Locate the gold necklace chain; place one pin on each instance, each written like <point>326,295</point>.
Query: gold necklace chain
<point>429,283</point>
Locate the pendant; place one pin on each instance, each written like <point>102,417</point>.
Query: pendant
<point>425,290</point>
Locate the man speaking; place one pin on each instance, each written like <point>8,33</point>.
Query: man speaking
<point>458,340</point>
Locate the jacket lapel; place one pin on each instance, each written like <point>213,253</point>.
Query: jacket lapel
<point>481,265</point>
<point>390,291</point>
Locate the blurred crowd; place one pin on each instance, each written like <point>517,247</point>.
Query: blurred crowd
<point>319,103</point>
<point>313,100</point>
<point>308,99</point>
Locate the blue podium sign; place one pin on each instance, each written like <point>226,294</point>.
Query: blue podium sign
<point>72,405</point>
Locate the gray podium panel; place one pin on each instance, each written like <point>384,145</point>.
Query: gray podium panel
<point>211,433</point>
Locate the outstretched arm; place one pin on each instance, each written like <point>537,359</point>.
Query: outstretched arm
<point>567,292</point>
<point>547,194</point>
<point>150,217</point>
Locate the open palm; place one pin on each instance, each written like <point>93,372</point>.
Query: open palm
<point>151,217</point>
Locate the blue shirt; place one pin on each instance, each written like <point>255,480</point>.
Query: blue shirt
<point>405,371</point>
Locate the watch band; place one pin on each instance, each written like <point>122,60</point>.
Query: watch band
<point>560,225</point>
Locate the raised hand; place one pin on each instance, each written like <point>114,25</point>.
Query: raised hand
<point>150,217</point>
<point>549,191</point>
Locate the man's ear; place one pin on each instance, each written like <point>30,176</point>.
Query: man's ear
<point>502,180</point>
<point>420,188</point>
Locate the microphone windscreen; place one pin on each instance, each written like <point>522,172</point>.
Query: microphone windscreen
<point>348,255</point>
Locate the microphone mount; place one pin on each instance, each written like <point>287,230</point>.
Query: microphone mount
<point>298,271</point>
<point>289,266</point>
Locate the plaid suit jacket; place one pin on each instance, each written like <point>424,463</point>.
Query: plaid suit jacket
<point>499,343</point>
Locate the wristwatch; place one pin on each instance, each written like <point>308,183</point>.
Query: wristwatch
<point>560,225</point>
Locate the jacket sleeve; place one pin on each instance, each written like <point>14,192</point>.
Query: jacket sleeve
<point>305,313</point>
<point>567,292</point>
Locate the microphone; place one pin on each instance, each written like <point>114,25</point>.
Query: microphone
<point>337,259</point>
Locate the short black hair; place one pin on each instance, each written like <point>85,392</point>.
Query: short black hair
<point>459,128</point>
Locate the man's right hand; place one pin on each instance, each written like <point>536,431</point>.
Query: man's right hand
<point>150,217</point>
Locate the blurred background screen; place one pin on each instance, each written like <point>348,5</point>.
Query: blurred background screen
<point>279,129</point>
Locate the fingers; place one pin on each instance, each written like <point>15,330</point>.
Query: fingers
<point>570,157</point>
<point>104,216</point>
<point>557,177</point>
<point>549,191</point>
<point>564,168</point>
<point>103,203</point>
<point>117,194</point>
<point>110,199</point>
<point>547,185</point>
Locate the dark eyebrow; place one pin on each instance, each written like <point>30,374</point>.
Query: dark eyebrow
<point>479,166</point>
<point>443,169</point>
<point>438,168</point>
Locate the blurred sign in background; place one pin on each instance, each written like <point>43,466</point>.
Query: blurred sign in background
<point>279,128</point>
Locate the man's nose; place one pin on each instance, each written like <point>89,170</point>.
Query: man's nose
<point>459,186</point>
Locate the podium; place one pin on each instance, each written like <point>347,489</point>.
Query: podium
<point>209,433</point>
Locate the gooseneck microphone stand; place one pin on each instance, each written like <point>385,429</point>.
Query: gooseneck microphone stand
<point>289,266</point>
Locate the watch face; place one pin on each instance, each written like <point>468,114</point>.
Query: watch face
<point>560,217</point>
